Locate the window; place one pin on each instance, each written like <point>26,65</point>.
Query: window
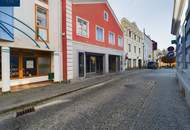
<point>139,50</point>
<point>99,34</point>
<point>44,1</point>
<point>120,41</point>
<point>41,22</point>
<point>139,39</point>
<point>90,64</point>
<point>129,47</point>
<point>135,49</point>
<point>111,38</point>
<point>135,36</point>
<point>106,16</point>
<point>82,27</point>
<point>130,33</point>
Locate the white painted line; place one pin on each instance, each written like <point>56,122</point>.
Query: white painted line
<point>56,102</point>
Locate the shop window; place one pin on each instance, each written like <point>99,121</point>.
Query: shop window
<point>14,66</point>
<point>42,22</point>
<point>90,64</point>
<point>82,27</point>
<point>30,66</point>
<point>44,64</point>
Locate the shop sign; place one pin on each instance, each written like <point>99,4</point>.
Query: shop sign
<point>30,64</point>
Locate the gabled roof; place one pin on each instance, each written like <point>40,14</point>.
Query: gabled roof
<point>96,2</point>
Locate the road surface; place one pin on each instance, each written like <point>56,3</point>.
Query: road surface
<point>143,101</point>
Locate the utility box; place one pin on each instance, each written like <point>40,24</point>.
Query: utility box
<point>51,76</point>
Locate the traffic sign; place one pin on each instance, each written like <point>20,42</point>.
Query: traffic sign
<point>171,54</point>
<point>171,49</point>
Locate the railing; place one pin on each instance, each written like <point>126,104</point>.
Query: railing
<point>11,35</point>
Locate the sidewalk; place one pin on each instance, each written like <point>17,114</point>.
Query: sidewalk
<point>31,97</point>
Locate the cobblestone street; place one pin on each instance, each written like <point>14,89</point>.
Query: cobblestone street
<point>143,101</point>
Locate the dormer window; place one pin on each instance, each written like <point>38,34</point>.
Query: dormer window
<point>106,16</point>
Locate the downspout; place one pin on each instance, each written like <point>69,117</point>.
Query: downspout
<point>64,40</point>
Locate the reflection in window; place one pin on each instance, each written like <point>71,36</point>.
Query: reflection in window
<point>44,65</point>
<point>42,22</point>
<point>14,66</point>
<point>82,27</point>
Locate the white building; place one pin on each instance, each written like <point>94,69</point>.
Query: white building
<point>180,28</point>
<point>32,48</point>
<point>133,44</point>
<point>148,52</point>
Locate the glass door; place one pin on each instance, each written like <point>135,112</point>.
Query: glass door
<point>81,64</point>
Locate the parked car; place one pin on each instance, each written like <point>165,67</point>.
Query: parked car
<point>152,65</point>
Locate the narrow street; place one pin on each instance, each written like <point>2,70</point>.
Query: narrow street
<point>143,101</point>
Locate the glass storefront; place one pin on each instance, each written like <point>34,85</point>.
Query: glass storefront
<point>25,63</point>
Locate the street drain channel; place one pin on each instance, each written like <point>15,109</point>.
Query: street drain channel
<point>25,111</point>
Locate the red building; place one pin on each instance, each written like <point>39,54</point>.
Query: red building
<point>96,45</point>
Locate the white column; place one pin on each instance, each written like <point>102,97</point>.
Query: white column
<point>5,60</point>
<point>106,63</point>
<point>57,67</point>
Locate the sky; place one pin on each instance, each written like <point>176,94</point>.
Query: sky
<point>153,15</point>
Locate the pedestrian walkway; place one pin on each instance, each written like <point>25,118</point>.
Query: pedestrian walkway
<point>30,97</point>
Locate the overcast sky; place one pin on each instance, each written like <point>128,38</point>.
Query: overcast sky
<point>153,15</point>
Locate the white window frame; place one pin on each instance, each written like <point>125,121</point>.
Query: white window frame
<point>113,38</point>
<point>121,45</point>
<point>96,33</point>
<point>105,12</point>
<point>129,47</point>
<point>77,17</point>
<point>135,49</point>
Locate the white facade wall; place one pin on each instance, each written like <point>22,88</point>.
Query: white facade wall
<point>148,52</point>
<point>69,40</point>
<point>26,13</point>
<point>85,47</point>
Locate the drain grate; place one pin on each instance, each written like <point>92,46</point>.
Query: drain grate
<point>25,111</point>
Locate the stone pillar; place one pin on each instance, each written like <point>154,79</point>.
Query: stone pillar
<point>106,63</point>
<point>5,60</point>
<point>57,67</point>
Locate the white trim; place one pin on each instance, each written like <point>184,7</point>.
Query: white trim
<point>77,17</point>
<point>103,33</point>
<point>109,38</point>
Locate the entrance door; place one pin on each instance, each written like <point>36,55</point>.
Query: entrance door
<point>99,67</point>
<point>140,63</point>
<point>81,64</point>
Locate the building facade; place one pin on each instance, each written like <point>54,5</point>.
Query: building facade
<point>181,29</point>
<point>133,44</point>
<point>97,40</point>
<point>30,42</point>
<point>148,49</point>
